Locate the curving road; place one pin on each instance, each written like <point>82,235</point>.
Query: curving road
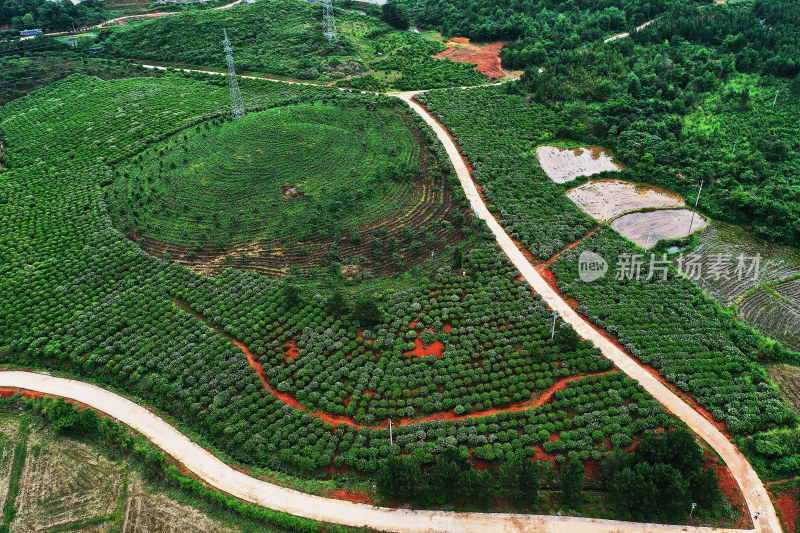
<point>753,490</point>
<point>221,476</point>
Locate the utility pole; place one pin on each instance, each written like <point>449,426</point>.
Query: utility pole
<point>391,443</point>
<point>695,205</point>
<point>328,22</point>
<point>555,317</point>
<point>237,104</point>
<point>776,97</point>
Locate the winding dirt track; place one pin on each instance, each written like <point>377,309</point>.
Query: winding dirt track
<point>754,492</point>
<point>221,476</point>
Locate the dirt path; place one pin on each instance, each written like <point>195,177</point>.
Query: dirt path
<point>126,18</point>
<point>626,34</point>
<point>298,82</point>
<point>219,475</point>
<point>754,492</point>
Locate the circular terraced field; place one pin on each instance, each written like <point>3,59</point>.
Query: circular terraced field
<point>293,173</point>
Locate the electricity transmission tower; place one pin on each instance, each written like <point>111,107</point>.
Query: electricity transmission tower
<point>328,22</point>
<point>237,105</point>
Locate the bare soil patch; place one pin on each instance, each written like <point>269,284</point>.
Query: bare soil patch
<point>291,192</point>
<point>647,228</point>
<point>486,57</point>
<point>786,503</point>
<point>565,164</point>
<point>145,511</point>
<point>607,199</point>
<point>9,435</point>
<point>63,481</point>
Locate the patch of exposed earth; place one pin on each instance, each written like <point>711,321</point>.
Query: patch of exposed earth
<point>565,164</point>
<point>607,199</point>
<point>486,57</point>
<point>647,228</point>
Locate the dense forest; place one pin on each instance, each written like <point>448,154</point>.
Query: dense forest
<point>699,95</point>
<point>50,15</point>
<point>537,29</point>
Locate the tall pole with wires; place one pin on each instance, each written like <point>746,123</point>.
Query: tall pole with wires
<point>237,104</point>
<point>328,21</point>
<point>697,201</point>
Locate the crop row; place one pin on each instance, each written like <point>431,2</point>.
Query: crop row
<point>79,296</point>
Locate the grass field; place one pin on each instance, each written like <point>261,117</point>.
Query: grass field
<point>71,484</point>
<point>225,183</point>
<point>284,38</point>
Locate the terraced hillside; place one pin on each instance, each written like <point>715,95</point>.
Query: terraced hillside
<point>272,374</point>
<point>303,174</point>
<point>285,186</point>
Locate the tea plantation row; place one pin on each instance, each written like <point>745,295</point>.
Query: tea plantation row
<point>78,296</point>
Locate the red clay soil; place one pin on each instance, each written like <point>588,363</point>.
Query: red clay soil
<point>360,335</point>
<point>449,415</point>
<point>528,404</point>
<point>354,497</point>
<point>540,455</point>
<point>786,503</point>
<point>528,255</point>
<point>486,57</point>
<point>592,469</point>
<point>435,348</point>
<point>292,351</point>
<point>546,264</point>
<point>7,392</point>
<point>730,490</point>
<point>479,464</point>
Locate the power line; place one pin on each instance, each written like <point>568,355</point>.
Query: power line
<point>237,104</point>
<point>328,21</point>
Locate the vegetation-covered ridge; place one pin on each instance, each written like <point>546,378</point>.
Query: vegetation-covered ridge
<point>284,38</point>
<point>23,71</point>
<point>411,210</point>
<point>79,296</point>
<point>294,172</point>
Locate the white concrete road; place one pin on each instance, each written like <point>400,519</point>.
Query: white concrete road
<point>221,476</point>
<point>753,489</point>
